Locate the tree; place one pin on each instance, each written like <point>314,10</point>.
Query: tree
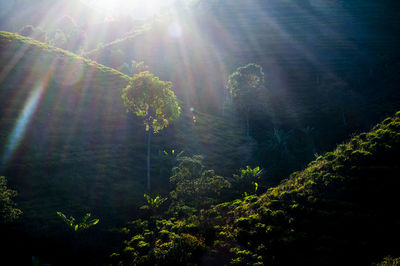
<point>153,204</point>
<point>244,86</point>
<point>246,181</point>
<point>27,31</point>
<point>32,32</point>
<point>152,99</point>
<point>8,211</point>
<point>195,187</point>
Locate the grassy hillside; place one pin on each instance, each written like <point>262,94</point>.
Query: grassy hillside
<point>64,137</point>
<point>65,132</point>
<point>303,47</point>
<point>67,143</point>
<point>340,210</point>
<point>329,67</point>
<point>62,121</point>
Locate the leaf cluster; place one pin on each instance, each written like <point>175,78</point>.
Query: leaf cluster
<point>84,224</point>
<point>164,242</point>
<point>195,186</point>
<point>153,204</point>
<point>245,84</point>
<point>152,99</point>
<point>246,181</point>
<point>8,210</point>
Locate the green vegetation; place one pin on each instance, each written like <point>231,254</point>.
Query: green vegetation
<point>245,86</point>
<point>319,215</point>
<point>15,42</point>
<point>194,75</point>
<point>327,214</point>
<point>246,181</point>
<point>8,210</point>
<point>388,261</point>
<point>84,224</point>
<point>194,186</point>
<point>153,204</point>
<point>152,99</point>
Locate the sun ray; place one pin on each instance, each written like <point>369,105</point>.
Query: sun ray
<point>22,122</point>
<point>136,8</point>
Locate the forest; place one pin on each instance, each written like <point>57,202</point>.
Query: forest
<point>199,132</point>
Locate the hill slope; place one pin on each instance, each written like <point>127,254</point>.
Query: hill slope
<point>303,46</point>
<point>67,144</point>
<point>330,66</point>
<point>65,133</point>
<point>340,210</point>
<point>62,120</point>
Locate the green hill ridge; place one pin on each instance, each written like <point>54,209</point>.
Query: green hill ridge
<point>339,210</point>
<point>75,122</point>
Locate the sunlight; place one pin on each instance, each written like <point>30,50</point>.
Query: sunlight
<point>22,122</point>
<point>175,30</point>
<point>142,9</point>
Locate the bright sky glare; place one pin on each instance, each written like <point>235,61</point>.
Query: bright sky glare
<point>136,8</point>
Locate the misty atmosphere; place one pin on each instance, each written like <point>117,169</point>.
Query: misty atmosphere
<point>199,132</point>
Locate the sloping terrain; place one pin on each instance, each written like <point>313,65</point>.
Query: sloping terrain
<point>47,14</point>
<point>340,210</point>
<point>65,132</point>
<point>307,49</point>
<point>330,67</point>
<point>67,144</point>
<point>63,127</point>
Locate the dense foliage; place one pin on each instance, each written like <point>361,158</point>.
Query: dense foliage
<point>194,186</point>
<point>8,210</point>
<point>245,85</point>
<point>151,98</point>
<point>331,213</point>
<point>388,261</point>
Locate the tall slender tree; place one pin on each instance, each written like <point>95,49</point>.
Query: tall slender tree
<point>244,86</point>
<point>152,99</point>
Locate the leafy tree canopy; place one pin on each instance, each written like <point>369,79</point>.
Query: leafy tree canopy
<point>195,186</point>
<point>151,98</point>
<point>8,212</point>
<point>245,83</point>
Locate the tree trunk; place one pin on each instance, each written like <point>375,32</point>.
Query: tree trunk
<point>247,123</point>
<point>343,117</point>
<point>148,159</point>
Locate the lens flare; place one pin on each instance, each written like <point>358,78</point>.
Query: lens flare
<point>21,123</point>
<point>175,30</point>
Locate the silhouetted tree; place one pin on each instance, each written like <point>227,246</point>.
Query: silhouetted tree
<point>27,31</point>
<point>32,32</point>
<point>152,99</point>
<point>195,186</point>
<point>244,86</point>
